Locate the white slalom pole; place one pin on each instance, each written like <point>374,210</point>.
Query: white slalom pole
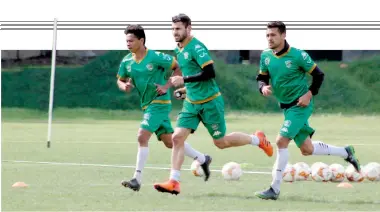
<point>52,76</point>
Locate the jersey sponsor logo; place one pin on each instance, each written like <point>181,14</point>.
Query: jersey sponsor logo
<point>203,54</point>
<point>149,67</point>
<point>216,133</point>
<point>304,55</point>
<point>267,61</point>
<point>288,63</point>
<point>198,46</point>
<point>158,53</point>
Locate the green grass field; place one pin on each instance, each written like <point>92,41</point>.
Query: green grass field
<point>90,156</point>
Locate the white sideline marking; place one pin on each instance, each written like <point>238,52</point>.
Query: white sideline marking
<point>114,166</point>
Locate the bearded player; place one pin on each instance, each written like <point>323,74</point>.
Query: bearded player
<point>204,103</point>
<point>146,70</point>
<point>286,68</point>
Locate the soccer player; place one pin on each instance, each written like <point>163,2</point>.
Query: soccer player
<point>204,103</point>
<point>146,70</point>
<point>286,67</point>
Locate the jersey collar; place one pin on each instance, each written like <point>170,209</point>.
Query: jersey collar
<point>284,51</point>
<point>139,61</point>
<point>185,42</point>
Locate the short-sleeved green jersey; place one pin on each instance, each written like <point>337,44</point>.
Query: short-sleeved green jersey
<point>287,73</point>
<point>192,57</point>
<point>147,72</point>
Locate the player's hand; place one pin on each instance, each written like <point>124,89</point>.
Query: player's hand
<point>304,100</point>
<point>128,85</point>
<point>266,90</point>
<point>161,89</point>
<point>180,94</point>
<point>176,81</point>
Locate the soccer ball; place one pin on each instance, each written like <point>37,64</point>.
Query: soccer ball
<point>232,171</point>
<point>352,175</point>
<point>196,169</point>
<point>302,171</point>
<point>372,171</point>
<point>289,174</point>
<point>337,171</point>
<point>321,172</point>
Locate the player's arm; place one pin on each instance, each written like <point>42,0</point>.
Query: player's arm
<point>202,56</point>
<point>263,77</point>
<point>123,80</point>
<point>308,65</point>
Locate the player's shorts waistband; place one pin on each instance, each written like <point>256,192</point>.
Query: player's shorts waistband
<point>204,100</point>
<point>157,101</point>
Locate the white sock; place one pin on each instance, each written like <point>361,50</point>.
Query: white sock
<point>279,168</point>
<point>175,174</point>
<point>255,140</point>
<point>321,148</point>
<point>142,156</point>
<point>194,154</point>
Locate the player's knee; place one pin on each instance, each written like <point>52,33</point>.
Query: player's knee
<point>168,144</point>
<point>220,143</point>
<point>307,150</point>
<point>143,141</point>
<point>282,142</point>
<point>178,139</point>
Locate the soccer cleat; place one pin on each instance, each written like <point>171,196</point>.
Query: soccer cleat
<point>264,144</point>
<point>132,184</point>
<point>206,167</point>
<point>352,158</point>
<point>170,186</point>
<point>268,194</point>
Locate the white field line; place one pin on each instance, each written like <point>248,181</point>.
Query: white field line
<point>114,166</point>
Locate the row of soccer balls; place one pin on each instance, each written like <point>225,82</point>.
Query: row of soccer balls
<point>319,172</point>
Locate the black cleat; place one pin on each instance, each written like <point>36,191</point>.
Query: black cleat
<point>352,158</point>
<point>268,194</point>
<point>132,184</point>
<point>206,167</point>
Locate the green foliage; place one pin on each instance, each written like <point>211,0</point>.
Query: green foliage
<point>352,89</point>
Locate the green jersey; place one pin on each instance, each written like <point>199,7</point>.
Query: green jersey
<point>287,73</point>
<point>147,72</point>
<point>192,57</point>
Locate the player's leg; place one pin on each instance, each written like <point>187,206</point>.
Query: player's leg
<point>187,122</point>
<point>213,119</point>
<point>150,124</point>
<point>309,147</point>
<point>295,118</point>
<point>165,132</point>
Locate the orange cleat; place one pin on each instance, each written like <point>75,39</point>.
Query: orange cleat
<point>170,186</point>
<point>265,145</point>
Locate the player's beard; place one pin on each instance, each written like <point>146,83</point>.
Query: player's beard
<point>181,38</point>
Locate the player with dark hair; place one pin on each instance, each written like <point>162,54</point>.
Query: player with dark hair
<point>286,68</point>
<point>147,70</point>
<point>204,103</point>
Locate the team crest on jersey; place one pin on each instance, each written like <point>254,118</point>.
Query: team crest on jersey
<point>288,63</point>
<point>186,55</point>
<point>267,61</point>
<point>149,67</point>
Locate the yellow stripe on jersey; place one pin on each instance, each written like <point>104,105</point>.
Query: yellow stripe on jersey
<point>207,63</point>
<point>205,100</point>
<point>263,73</point>
<point>173,63</point>
<point>312,68</point>
<point>157,101</point>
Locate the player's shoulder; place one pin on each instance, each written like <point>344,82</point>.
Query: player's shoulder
<point>266,52</point>
<point>298,51</point>
<point>196,44</point>
<point>127,58</point>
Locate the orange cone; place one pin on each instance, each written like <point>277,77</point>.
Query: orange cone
<point>19,185</point>
<point>344,185</point>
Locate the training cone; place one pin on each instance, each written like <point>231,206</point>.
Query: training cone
<point>344,185</point>
<point>19,185</point>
